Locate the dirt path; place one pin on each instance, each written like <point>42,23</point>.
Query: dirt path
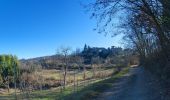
<point>138,84</point>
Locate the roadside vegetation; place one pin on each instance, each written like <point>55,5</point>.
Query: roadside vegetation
<point>87,91</point>
<point>92,91</point>
<point>63,75</point>
<point>145,25</point>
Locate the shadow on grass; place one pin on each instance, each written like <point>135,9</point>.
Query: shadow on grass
<point>92,91</point>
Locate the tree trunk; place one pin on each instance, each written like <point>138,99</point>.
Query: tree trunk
<point>84,73</point>
<point>65,76</point>
<point>74,80</point>
<point>8,84</point>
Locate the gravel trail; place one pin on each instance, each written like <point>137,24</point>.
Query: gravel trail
<point>138,84</point>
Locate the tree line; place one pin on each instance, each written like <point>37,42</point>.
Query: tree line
<point>88,55</point>
<point>145,25</point>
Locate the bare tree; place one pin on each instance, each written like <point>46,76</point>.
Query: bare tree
<point>144,22</point>
<point>65,51</point>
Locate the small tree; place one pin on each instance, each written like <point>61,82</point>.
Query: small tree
<point>9,67</point>
<point>16,72</point>
<point>64,51</point>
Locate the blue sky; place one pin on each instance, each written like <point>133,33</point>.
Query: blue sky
<point>33,28</point>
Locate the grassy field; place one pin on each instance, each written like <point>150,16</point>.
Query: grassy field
<point>93,90</point>
<point>56,74</point>
<point>85,90</point>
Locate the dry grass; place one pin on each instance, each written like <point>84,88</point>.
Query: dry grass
<point>53,76</point>
<point>57,74</point>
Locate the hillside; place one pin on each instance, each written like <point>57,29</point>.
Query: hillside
<point>88,55</point>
